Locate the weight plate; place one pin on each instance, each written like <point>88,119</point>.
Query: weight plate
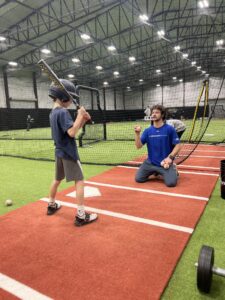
<point>204,270</point>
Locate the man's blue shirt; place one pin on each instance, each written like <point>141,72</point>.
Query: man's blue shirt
<point>160,142</point>
<point>65,146</point>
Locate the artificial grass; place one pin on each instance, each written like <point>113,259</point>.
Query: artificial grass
<point>210,231</point>
<point>118,148</point>
<point>25,181</point>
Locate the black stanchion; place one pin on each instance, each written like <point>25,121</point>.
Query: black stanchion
<point>222,176</point>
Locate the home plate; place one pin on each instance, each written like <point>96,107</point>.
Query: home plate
<point>89,191</point>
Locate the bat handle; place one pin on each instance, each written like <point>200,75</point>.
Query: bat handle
<point>78,107</point>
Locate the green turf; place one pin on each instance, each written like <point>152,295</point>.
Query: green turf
<point>112,151</point>
<point>210,231</point>
<point>25,181</point>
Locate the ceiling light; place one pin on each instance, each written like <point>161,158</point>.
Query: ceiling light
<point>105,83</point>
<point>13,63</point>
<point>158,84</point>
<point>181,80</point>
<point>132,58</point>
<point>193,63</point>
<point>2,38</point>
<point>70,75</point>
<point>219,42</point>
<point>45,51</point>
<point>203,4</point>
<point>185,55</point>
<point>75,60</point>
<point>116,73</point>
<point>161,32</point>
<point>174,78</point>
<point>143,18</point>
<point>158,71</point>
<point>199,67</point>
<point>99,68</point>
<point>141,80</point>
<point>85,36</point>
<point>111,48</point>
<point>177,48</point>
<point>203,72</point>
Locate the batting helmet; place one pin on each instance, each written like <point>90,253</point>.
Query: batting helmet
<point>57,93</point>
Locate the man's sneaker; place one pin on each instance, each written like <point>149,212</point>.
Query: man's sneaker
<point>52,208</point>
<point>88,218</point>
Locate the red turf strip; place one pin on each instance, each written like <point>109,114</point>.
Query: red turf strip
<point>112,258</point>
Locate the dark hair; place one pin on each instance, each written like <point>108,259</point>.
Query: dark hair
<point>162,109</point>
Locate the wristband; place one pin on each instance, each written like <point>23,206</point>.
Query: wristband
<point>171,157</point>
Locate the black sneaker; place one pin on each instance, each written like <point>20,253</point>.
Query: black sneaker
<point>53,208</point>
<point>89,218</point>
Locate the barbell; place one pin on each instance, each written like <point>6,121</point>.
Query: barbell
<point>205,269</point>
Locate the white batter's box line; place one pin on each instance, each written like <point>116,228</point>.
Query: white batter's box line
<point>148,191</point>
<point>202,156</point>
<point>19,289</point>
<point>128,217</point>
<point>199,167</point>
<point>181,172</point>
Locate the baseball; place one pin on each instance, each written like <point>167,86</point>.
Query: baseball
<point>8,202</point>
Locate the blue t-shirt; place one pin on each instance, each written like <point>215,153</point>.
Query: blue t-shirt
<point>160,142</point>
<point>61,121</point>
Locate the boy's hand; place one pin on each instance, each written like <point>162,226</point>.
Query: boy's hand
<point>81,111</point>
<point>137,129</point>
<point>87,117</point>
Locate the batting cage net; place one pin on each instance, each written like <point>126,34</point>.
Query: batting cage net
<point>109,138</point>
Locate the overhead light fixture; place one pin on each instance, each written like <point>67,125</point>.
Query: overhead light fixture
<point>177,48</point>
<point>70,75</point>
<point>161,33</point>
<point>132,58</point>
<point>2,38</point>
<point>105,83</point>
<point>158,71</point>
<point>219,42</point>
<point>13,63</point>
<point>116,73</point>
<point>203,4</point>
<point>203,72</point>
<point>181,80</point>
<point>141,80</point>
<point>185,55</point>
<point>158,85</point>
<point>174,78</point>
<point>193,63</point>
<point>199,68</point>
<point>99,68</point>
<point>111,48</point>
<point>85,36</point>
<point>143,18</point>
<point>75,60</point>
<point>45,51</point>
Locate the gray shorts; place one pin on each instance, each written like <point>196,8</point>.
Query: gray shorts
<point>70,169</point>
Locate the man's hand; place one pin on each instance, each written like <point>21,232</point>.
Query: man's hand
<point>137,129</point>
<point>165,164</point>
